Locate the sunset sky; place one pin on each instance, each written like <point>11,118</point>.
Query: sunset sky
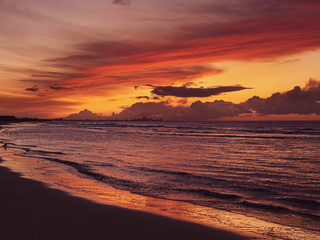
<point>175,60</point>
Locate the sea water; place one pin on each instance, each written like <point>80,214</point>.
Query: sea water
<point>261,177</point>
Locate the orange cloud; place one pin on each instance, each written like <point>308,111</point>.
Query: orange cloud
<point>170,60</point>
<point>184,50</point>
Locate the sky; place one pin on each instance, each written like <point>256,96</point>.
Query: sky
<point>174,60</point>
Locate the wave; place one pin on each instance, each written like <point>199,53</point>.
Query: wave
<point>199,134</point>
<point>212,129</point>
<point>27,148</point>
<point>233,169</point>
<point>136,187</point>
<point>100,164</point>
<point>278,209</point>
<point>207,193</point>
<point>206,179</point>
<point>304,203</point>
<point>283,132</point>
<point>123,184</point>
<point>120,125</point>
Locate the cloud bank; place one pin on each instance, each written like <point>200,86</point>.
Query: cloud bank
<point>296,101</point>
<point>85,115</point>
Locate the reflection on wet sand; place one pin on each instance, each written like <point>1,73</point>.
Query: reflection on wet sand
<point>81,186</point>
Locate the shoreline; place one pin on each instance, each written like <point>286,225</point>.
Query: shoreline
<point>31,210</point>
<point>23,167</point>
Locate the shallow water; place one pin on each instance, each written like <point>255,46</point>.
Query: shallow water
<point>232,173</point>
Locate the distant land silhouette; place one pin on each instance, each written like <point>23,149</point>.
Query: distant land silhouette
<point>84,115</point>
<point>12,119</point>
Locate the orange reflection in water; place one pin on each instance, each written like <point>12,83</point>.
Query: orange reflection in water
<point>69,180</point>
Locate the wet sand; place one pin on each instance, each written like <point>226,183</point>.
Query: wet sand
<point>31,210</point>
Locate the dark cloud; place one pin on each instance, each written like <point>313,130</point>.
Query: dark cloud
<point>51,80</point>
<point>122,2</point>
<point>186,73</point>
<point>188,84</point>
<point>193,92</point>
<point>38,75</point>
<point>296,101</point>
<point>143,97</point>
<point>150,110</point>
<point>32,89</point>
<point>60,88</point>
<point>243,8</point>
<point>249,9</point>
<point>198,111</point>
<point>85,115</point>
<point>61,75</point>
<point>215,110</point>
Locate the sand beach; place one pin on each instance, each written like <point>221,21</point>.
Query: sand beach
<point>31,210</point>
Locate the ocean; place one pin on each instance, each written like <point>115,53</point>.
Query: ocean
<point>258,177</point>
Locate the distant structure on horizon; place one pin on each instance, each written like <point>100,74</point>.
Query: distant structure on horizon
<point>8,119</point>
<point>13,119</point>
